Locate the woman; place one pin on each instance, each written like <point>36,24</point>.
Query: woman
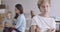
<point>43,21</point>
<point>21,21</point>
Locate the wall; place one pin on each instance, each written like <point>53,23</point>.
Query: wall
<point>32,5</point>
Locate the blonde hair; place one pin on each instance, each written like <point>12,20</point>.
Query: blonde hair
<point>40,2</point>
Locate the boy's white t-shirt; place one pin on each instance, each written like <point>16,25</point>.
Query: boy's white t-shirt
<point>44,23</point>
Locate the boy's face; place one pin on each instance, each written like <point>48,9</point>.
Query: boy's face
<point>44,8</point>
<point>9,15</point>
<point>32,12</point>
<point>6,24</point>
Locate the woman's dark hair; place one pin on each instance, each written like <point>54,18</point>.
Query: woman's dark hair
<point>20,8</point>
<point>16,15</point>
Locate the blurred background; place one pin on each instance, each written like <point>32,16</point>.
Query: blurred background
<point>28,5</point>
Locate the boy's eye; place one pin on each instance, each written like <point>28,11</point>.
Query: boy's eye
<point>47,6</point>
<point>43,6</point>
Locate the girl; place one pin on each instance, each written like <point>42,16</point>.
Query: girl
<point>43,21</point>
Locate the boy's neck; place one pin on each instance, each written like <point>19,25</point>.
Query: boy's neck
<point>44,14</point>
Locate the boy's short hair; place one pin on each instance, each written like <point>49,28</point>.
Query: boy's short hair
<point>40,2</point>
